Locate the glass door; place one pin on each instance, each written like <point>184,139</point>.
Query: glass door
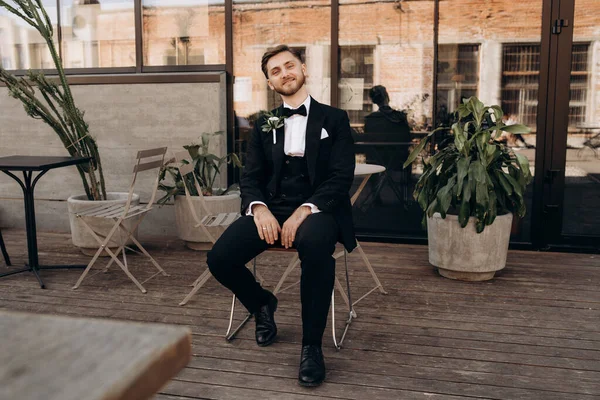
<point>571,195</point>
<point>581,197</point>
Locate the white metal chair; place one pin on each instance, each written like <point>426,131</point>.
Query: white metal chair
<point>147,160</point>
<point>4,252</point>
<point>365,171</point>
<point>220,221</point>
<point>295,262</point>
<point>346,296</point>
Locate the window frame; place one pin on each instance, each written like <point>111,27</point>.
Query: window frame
<point>139,67</point>
<point>451,86</point>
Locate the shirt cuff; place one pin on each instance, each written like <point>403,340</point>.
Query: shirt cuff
<point>249,210</point>
<point>313,209</point>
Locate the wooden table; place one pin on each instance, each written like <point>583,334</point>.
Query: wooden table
<point>28,165</point>
<point>47,357</point>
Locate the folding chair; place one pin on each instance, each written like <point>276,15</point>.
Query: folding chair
<point>361,170</point>
<point>120,213</point>
<point>347,298</point>
<point>220,221</point>
<point>4,252</point>
<point>295,262</point>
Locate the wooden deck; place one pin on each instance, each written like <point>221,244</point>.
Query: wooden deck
<point>532,333</point>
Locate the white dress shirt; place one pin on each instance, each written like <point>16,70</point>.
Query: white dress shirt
<point>294,143</point>
<point>295,131</point>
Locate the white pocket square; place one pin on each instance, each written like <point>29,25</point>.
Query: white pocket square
<point>324,134</point>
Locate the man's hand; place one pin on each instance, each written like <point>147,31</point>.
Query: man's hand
<point>290,227</point>
<point>266,224</point>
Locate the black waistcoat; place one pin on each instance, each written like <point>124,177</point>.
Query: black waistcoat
<point>294,186</point>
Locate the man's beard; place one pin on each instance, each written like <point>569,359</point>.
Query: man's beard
<point>293,89</point>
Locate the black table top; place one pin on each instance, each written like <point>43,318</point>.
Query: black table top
<point>38,163</point>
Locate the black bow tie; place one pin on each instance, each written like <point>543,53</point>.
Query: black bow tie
<point>288,112</point>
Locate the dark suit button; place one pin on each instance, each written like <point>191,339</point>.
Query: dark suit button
<point>287,161</point>
<point>283,196</point>
<point>285,177</point>
<point>301,175</point>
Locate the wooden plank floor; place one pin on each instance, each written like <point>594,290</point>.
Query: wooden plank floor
<point>532,333</point>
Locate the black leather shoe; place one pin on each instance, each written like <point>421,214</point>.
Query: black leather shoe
<point>312,366</point>
<point>266,329</point>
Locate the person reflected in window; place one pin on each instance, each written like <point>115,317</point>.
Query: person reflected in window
<point>386,123</point>
<point>386,138</point>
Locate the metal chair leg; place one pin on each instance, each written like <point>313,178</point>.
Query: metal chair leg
<point>351,312</point>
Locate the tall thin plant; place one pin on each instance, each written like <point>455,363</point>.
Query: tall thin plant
<point>53,102</point>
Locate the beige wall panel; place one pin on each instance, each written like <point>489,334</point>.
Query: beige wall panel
<point>124,119</point>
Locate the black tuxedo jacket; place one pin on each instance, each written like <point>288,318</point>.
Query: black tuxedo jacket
<point>330,165</point>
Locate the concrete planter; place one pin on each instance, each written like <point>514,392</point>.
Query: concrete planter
<point>194,237</point>
<point>80,234</point>
<point>464,254</point>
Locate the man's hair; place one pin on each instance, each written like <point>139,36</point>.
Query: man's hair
<point>379,95</point>
<point>273,52</point>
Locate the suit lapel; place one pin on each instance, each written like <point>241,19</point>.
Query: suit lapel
<point>277,148</point>
<point>316,117</point>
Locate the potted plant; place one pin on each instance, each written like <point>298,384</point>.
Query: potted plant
<point>207,168</point>
<point>51,101</point>
<point>470,190</point>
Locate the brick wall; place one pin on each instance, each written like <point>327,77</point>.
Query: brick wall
<point>402,36</point>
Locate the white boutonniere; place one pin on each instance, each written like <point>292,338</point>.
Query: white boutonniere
<point>272,123</point>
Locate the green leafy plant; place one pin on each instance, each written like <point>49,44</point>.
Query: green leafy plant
<point>53,102</point>
<point>475,175</point>
<point>207,167</point>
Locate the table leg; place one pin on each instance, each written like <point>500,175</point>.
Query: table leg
<point>32,250</point>
<point>28,186</point>
<point>4,252</point>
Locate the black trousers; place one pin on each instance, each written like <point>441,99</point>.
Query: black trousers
<point>315,242</point>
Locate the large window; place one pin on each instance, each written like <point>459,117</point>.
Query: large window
<point>520,71</point>
<point>356,79</point>
<point>262,24</point>
<point>520,81</point>
<point>98,34</point>
<point>458,74</point>
<point>179,32</point>
<point>102,34</point>
<point>580,79</point>
<point>385,83</point>
<point>21,46</point>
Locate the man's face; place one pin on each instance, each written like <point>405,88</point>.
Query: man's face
<point>286,73</point>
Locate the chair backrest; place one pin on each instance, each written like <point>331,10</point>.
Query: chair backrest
<point>147,160</point>
<point>186,169</point>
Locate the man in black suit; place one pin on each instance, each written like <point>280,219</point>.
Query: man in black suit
<point>295,188</point>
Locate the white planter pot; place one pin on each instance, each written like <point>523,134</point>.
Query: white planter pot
<point>81,235</point>
<point>464,254</point>
<point>195,238</point>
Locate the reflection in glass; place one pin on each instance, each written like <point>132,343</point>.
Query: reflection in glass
<point>260,25</point>
<point>183,32</point>
<point>21,46</point>
<point>581,211</point>
<point>496,57</point>
<point>386,86</point>
<point>458,75</point>
<point>98,33</point>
